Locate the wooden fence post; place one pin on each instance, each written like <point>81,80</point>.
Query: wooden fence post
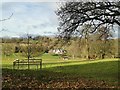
<point>13,65</point>
<point>41,65</point>
<point>18,64</point>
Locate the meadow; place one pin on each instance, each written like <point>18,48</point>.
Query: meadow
<point>56,72</point>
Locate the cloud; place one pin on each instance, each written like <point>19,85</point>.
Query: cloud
<point>30,17</point>
<point>32,0</point>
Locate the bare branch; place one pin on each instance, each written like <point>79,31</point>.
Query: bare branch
<point>7,18</point>
<point>75,14</point>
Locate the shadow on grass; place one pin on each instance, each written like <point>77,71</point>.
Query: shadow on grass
<point>101,70</point>
<point>83,73</point>
<point>41,75</point>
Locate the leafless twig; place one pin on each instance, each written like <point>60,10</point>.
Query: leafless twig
<point>7,18</point>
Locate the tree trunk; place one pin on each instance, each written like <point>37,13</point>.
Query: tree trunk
<point>87,48</point>
<point>73,56</point>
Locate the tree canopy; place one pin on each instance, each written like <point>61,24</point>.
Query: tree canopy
<point>73,15</point>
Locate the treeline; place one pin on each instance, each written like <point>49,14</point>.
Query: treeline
<point>37,45</point>
<point>93,49</point>
<point>90,48</point>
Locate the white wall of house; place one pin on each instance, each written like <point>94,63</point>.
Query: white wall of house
<point>57,51</point>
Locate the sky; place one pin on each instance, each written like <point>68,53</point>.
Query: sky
<point>37,18</point>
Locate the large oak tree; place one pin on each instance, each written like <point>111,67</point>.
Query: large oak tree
<point>73,15</point>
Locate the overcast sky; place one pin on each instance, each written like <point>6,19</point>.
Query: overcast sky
<point>29,17</point>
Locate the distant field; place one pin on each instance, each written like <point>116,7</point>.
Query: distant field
<point>54,67</point>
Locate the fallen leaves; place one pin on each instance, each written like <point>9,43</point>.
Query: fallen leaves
<point>49,80</point>
<point>11,82</point>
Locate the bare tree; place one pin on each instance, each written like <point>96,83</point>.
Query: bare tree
<point>73,15</point>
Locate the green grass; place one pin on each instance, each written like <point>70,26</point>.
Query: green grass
<point>102,71</point>
<point>54,67</point>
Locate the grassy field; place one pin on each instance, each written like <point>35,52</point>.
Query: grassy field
<point>56,69</point>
